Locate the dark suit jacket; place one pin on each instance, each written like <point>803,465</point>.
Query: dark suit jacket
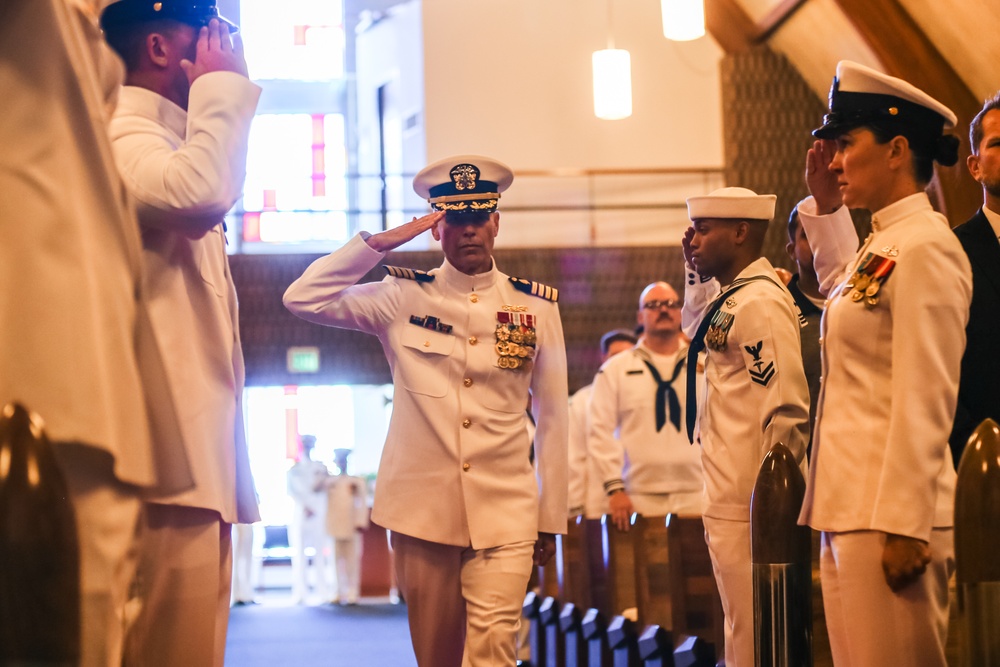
<point>979,390</point>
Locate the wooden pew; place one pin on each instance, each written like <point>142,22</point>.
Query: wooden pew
<point>573,564</point>
<point>696,608</point>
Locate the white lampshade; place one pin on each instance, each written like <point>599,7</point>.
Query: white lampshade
<point>683,20</point>
<point>612,84</point>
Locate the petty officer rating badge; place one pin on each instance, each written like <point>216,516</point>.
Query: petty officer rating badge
<point>515,338</point>
<point>759,372</point>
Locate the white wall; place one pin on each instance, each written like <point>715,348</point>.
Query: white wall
<point>512,79</point>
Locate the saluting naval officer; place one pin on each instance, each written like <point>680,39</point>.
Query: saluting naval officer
<point>466,344</point>
<point>881,483</point>
<point>756,393</point>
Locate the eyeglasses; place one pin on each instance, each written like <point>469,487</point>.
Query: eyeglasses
<point>656,305</point>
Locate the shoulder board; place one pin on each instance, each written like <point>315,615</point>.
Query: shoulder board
<point>409,274</point>
<point>535,289</point>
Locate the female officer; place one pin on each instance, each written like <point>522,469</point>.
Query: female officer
<point>881,483</point>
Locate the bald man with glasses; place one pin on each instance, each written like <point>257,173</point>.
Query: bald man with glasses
<point>636,434</point>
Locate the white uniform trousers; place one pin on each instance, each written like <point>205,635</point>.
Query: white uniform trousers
<point>662,504</point>
<point>181,594</point>
<point>107,516</point>
<point>463,604</point>
<point>867,622</point>
<point>347,557</point>
<point>729,547</point>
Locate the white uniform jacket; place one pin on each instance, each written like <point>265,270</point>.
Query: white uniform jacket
<point>628,451</point>
<point>455,468</point>
<point>186,170</point>
<point>756,393</point>
<point>74,343</point>
<point>880,453</point>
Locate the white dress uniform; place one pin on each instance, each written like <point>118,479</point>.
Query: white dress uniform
<point>660,470</point>
<point>756,396</point>
<point>880,452</point>
<point>346,515</point>
<point>186,169</point>
<point>73,343</point>
<point>455,469</point>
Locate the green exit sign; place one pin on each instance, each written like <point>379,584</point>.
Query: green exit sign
<point>303,360</point>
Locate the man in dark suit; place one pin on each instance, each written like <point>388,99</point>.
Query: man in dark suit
<point>979,391</point>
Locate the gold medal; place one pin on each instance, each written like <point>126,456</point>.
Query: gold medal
<point>522,352</point>
<point>857,295</point>
<point>517,336</point>
<point>871,301</point>
<point>872,289</point>
<point>861,284</point>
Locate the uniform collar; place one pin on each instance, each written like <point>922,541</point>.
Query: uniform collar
<point>464,282</point>
<point>758,267</point>
<point>136,100</point>
<point>899,210</point>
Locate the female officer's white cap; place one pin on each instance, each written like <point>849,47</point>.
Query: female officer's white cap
<point>732,203</point>
<point>860,95</point>
<point>463,183</point>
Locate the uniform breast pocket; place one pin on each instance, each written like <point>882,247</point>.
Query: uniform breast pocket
<point>425,362</point>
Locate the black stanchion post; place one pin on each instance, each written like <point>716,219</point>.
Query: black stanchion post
<point>548,614</point>
<point>536,634</point>
<point>595,633</point>
<point>571,627</point>
<point>623,642</point>
<point>656,647</point>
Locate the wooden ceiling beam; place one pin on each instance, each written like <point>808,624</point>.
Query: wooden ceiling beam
<point>730,25</point>
<point>906,52</point>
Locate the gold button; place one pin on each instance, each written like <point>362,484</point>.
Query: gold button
<point>474,298</point>
<point>466,466</point>
<point>467,382</point>
<point>427,343</point>
<point>473,340</point>
<point>467,423</point>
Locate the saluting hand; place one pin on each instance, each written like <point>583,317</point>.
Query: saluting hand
<point>216,51</point>
<point>686,245</point>
<point>397,236</point>
<point>904,560</point>
<point>822,182</point>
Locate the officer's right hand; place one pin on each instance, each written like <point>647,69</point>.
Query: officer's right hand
<point>216,51</point>
<point>904,560</point>
<point>397,236</point>
<point>820,179</point>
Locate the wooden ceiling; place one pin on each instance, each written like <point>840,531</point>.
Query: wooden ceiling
<point>939,47</point>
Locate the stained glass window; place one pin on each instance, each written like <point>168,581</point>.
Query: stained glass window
<point>296,188</point>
